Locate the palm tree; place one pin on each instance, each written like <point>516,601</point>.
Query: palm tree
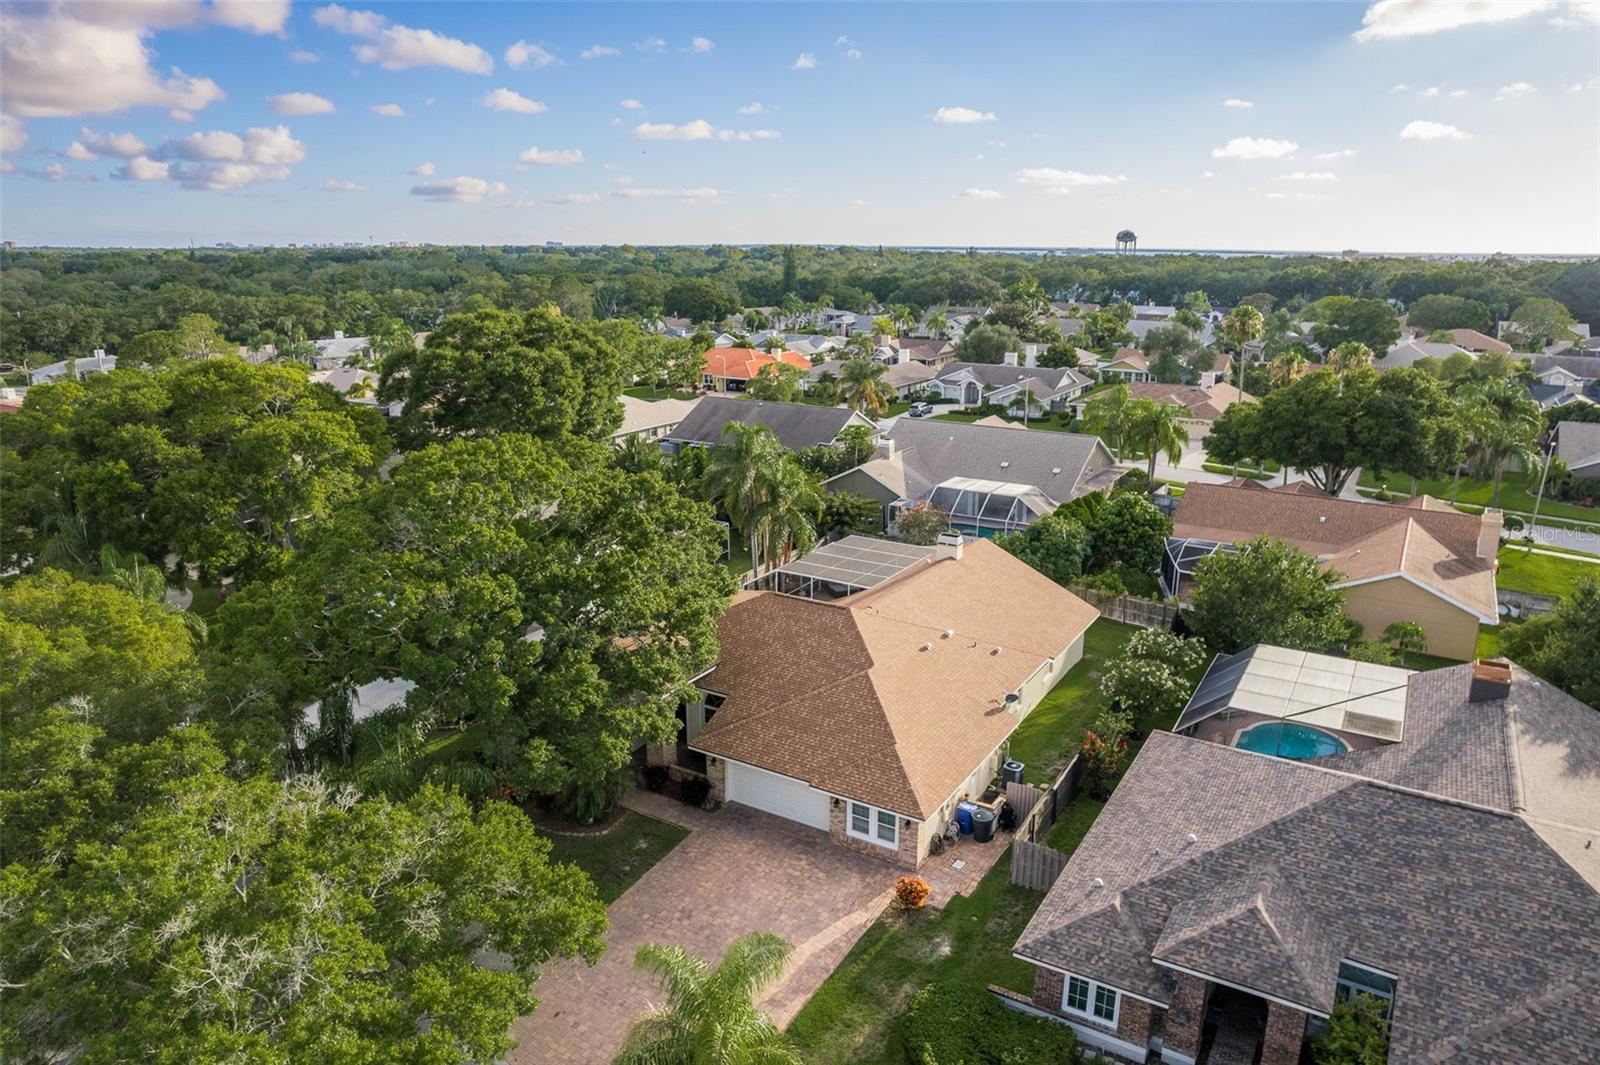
<point>637,453</point>
<point>938,324</point>
<point>1406,636</point>
<point>883,326</point>
<point>1507,424</point>
<point>1108,412</point>
<point>1159,428</point>
<point>1242,325</point>
<point>710,1017</point>
<point>1351,355</point>
<point>861,386</point>
<point>1286,368</point>
<point>763,490</point>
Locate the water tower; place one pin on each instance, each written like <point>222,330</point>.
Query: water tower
<point>1127,240</point>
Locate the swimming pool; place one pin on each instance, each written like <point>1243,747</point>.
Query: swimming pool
<point>1289,739</point>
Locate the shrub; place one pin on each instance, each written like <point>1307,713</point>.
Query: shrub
<point>1104,750</point>
<point>1372,651</point>
<point>911,892</point>
<point>962,1024</point>
<point>1109,582</point>
<point>1357,1034</point>
<point>694,790</point>
<point>656,777</point>
<point>587,799</point>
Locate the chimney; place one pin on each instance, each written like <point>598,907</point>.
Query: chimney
<point>338,334</point>
<point>1489,533</point>
<point>902,355</point>
<point>948,546</point>
<point>885,448</point>
<point>1032,360</point>
<point>1491,681</point>
<point>1010,358</point>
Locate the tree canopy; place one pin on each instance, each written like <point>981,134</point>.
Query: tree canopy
<point>1268,592</point>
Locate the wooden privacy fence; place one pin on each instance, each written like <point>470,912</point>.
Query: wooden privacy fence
<point>1145,613</point>
<point>1035,866</point>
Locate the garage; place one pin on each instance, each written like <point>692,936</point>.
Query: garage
<point>776,794</point>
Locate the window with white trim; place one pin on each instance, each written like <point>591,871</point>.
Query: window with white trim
<point>1359,980</point>
<point>874,825</point>
<point>1088,999</point>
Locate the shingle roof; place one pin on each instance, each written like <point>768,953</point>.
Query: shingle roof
<point>1492,936</point>
<point>858,707</point>
<point>796,425</point>
<point>1473,340</point>
<point>1407,352</point>
<point>999,375</point>
<point>1585,366</point>
<point>641,414</point>
<point>1204,403</point>
<point>1578,443</point>
<point>1061,465</point>
<point>1407,549</point>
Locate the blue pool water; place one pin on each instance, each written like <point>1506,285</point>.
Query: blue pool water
<point>1287,739</point>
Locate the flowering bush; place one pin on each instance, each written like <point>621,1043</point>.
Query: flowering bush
<point>1150,679</point>
<point>1104,749</point>
<point>911,892</point>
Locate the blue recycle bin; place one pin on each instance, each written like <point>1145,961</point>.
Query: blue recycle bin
<point>964,812</point>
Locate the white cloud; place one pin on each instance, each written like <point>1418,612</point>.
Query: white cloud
<point>396,47</point>
<point>1432,131</point>
<point>700,194</point>
<point>1391,19</point>
<point>842,40</point>
<point>13,134</point>
<point>534,156</point>
<point>758,109</point>
<point>1580,14</point>
<point>961,116</point>
<point>332,185</point>
<point>142,168</point>
<point>1255,148</point>
<point>1308,175</point>
<point>92,145</point>
<point>599,51</point>
<point>572,199</point>
<point>1399,87</point>
<point>178,114</point>
<point>300,103</point>
<point>979,194</point>
<point>1576,86</point>
<point>1207,174</point>
<point>1512,91</point>
<point>458,190</point>
<point>269,146</point>
<point>54,172</point>
<point>423,170</point>
<point>1062,182</point>
<point>1459,94</point>
<point>1277,195</point>
<point>1342,153</point>
<point>59,61</point>
<point>804,61</point>
<point>854,53</point>
<point>527,54</point>
<point>300,56</point>
<point>1238,105</point>
<point>698,130</point>
<point>702,45</point>
<point>222,177</point>
<point>650,44</point>
<point>747,135</point>
<point>257,16</point>
<point>388,110</point>
<point>631,104</point>
<point>507,100</point>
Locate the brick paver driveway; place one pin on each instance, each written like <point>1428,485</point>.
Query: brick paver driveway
<point>738,871</point>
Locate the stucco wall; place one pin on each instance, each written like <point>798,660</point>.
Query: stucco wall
<point>1451,631</point>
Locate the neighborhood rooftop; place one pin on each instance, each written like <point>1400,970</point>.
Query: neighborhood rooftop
<point>1360,697</point>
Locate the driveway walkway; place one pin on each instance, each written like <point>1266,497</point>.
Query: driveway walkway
<point>738,871</point>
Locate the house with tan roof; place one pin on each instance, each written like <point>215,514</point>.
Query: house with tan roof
<point>732,369</point>
<point>1421,561</point>
<point>1476,342</point>
<point>651,419</point>
<point>1227,899</point>
<point>1127,365</point>
<point>915,666</point>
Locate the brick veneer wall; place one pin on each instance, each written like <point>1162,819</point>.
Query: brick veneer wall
<point>1186,1016</point>
<point>1137,1021</point>
<point>909,852</point>
<point>1286,1031</point>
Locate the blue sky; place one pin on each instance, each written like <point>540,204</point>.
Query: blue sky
<point>1399,126</point>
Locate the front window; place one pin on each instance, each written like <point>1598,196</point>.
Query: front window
<point>877,826</point>
<point>1088,999</point>
<point>1359,980</point>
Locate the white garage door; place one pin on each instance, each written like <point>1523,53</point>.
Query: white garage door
<point>777,794</point>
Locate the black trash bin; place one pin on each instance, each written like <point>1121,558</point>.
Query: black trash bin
<point>982,825</point>
<point>1012,771</point>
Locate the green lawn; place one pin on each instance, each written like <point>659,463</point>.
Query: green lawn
<point>621,855</point>
<point>850,1017</point>
<point>1522,570</point>
<point>648,393</point>
<point>1514,494</point>
<point>1049,736</point>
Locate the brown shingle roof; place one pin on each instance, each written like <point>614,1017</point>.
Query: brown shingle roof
<point>844,696</point>
<point>1408,550</point>
<point>1205,404</point>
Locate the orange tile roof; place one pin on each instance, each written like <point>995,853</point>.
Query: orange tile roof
<point>742,364</point>
<point>859,707</point>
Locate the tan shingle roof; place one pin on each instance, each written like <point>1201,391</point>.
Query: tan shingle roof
<point>1407,549</point>
<point>1205,404</point>
<point>844,696</point>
